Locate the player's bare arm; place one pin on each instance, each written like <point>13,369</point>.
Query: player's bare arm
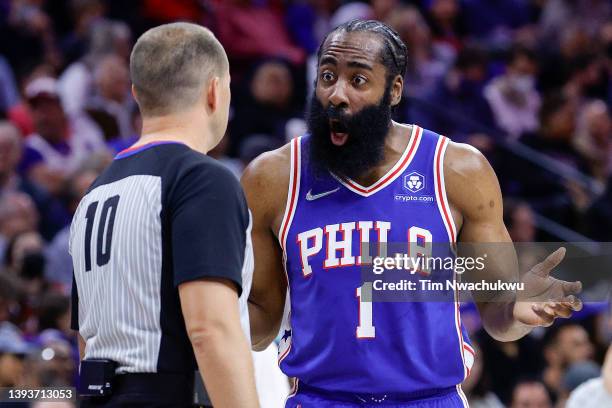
<point>476,203</point>
<point>265,182</point>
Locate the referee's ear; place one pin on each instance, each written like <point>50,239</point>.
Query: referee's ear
<point>211,95</point>
<point>134,93</point>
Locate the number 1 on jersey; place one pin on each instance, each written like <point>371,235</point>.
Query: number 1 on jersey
<point>365,330</point>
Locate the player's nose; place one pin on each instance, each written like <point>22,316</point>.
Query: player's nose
<point>338,95</point>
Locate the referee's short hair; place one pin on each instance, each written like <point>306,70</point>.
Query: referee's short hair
<point>171,63</point>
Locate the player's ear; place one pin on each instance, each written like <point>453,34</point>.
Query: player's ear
<point>212,94</point>
<point>396,90</point>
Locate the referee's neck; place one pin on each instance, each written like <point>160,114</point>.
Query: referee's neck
<point>193,132</point>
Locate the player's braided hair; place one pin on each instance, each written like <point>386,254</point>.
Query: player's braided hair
<point>394,54</point>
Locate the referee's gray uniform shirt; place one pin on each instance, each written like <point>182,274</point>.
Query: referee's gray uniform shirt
<point>159,215</point>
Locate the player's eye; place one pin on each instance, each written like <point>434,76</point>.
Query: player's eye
<point>359,80</point>
<point>327,76</point>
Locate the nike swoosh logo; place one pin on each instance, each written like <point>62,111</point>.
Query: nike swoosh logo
<point>312,197</point>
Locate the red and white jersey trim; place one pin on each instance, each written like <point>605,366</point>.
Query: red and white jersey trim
<point>466,351</point>
<point>292,199</point>
<point>292,191</point>
<point>441,198</point>
<point>399,167</point>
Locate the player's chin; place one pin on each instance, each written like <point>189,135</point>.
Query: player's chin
<point>339,138</point>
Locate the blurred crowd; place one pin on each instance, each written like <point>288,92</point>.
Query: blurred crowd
<point>528,82</point>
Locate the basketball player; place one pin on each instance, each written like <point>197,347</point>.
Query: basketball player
<point>320,200</point>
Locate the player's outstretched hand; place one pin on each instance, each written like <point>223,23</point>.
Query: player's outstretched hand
<point>545,298</point>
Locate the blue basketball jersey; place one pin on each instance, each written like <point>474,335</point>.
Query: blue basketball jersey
<point>331,338</point>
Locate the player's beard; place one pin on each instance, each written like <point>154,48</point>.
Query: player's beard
<point>364,147</point>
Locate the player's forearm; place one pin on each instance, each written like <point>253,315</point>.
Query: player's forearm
<point>264,328</point>
<point>226,365</point>
<point>498,320</point>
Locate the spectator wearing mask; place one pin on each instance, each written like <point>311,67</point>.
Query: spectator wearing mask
<point>513,97</point>
<point>61,143</point>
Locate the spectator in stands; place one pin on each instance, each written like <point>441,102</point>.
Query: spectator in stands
<point>597,392</point>
<point>519,219</point>
<point>456,107</point>
<point>477,385</point>
<point>506,363</point>
<point>13,350</point>
<point>564,344</point>
<point>557,131</point>
<point>54,317</point>
<point>598,217</point>
<point>446,22</point>
<point>76,82</point>
<point>111,105</point>
<point>53,214</point>
<point>427,61</point>
<point>585,78</point>
<point>85,14</point>
<point>61,142</point>
<point>513,97</point>
<point>59,263</point>
<point>309,21</point>
<point>594,139</point>
<point>546,190</point>
<point>9,95</point>
<point>17,215</point>
<point>249,32</point>
<point>587,14</point>
<point>495,22</point>
<point>530,394</point>
<point>266,105</point>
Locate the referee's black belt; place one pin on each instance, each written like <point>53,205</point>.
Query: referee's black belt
<point>178,386</point>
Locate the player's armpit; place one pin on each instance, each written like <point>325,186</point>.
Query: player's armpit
<point>265,182</point>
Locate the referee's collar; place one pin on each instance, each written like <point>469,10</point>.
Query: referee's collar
<point>137,149</point>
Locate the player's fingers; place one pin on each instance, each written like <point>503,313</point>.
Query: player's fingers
<point>559,309</point>
<point>543,268</point>
<point>573,302</point>
<point>572,288</point>
<point>546,319</point>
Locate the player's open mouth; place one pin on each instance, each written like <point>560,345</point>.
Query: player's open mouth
<point>338,133</point>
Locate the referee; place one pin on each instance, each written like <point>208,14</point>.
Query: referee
<point>161,243</point>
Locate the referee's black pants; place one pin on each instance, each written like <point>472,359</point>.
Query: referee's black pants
<point>147,390</point>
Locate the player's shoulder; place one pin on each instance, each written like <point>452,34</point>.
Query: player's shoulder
<point>270,168</point>
<point>465,162</point>
<point>266,181</point>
